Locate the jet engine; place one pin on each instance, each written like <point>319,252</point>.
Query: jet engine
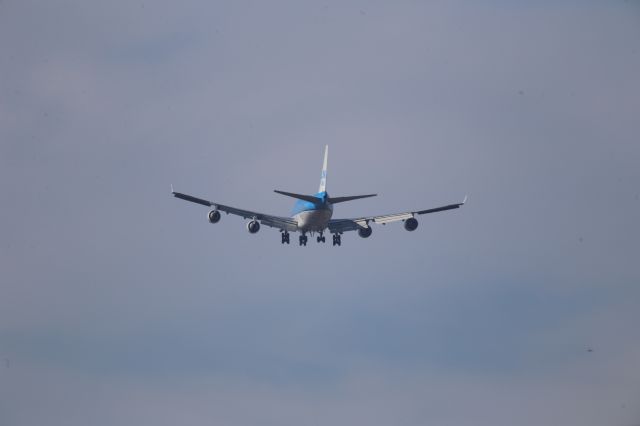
<point>411,224</point>
<point>253,226</point>
<point>214,216</point>
<point>365,232</point>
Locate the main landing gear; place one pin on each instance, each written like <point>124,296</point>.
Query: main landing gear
<point>304,239</point>
<point>285,237</point>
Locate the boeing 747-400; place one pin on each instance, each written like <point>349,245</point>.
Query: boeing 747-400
<point>313,214</point>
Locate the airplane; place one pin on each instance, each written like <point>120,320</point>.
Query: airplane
<point>312,213</point>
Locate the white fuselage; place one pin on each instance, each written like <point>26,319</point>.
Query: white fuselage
<point>313,220</point>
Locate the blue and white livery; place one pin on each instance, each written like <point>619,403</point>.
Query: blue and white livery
<point>312,214</point>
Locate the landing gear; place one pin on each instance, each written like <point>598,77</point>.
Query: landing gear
<point>337,240</point>
<point>303,239</point>
<point>321,238</point>
<point>285,237</point>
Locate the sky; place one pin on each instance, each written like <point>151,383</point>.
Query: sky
<point>120,305</point>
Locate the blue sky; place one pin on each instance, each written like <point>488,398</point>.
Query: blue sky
<point>122,305</point>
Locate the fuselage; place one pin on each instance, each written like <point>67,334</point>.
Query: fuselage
<point>313,216</point>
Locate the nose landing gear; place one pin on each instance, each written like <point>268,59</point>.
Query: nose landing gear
<point>321,238</point>
<point>303,239</point>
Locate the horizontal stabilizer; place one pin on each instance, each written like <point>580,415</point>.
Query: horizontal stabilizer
<point>334,200</point>
<point>309,198</point>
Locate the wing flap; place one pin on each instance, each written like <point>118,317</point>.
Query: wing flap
<point>247,214</point>
<point>281,223</point>
<point>391,218</point>
<point>343,225</point>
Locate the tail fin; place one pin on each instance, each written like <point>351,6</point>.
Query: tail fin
<point>323,177</point>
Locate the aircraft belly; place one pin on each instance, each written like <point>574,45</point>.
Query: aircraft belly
<point>313,220</point>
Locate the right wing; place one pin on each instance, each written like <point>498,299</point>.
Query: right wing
<point>343,225</point>
<point>282,223</point>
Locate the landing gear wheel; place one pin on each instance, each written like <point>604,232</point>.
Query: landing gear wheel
<point>285,238</point>
<point>303,240</point>
<point>337,240</point>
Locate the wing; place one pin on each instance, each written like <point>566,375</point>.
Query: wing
<point>282,223</point>
<point>343,225</point>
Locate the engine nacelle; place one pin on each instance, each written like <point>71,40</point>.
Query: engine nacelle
<point>253,226</point>
<point>214,216</point>
<point>411,224</point>
<point>365,232</point>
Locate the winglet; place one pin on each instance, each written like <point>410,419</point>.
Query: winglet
<point>465,199</point>
<point>172,191</point>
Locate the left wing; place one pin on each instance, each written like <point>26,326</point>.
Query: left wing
<point>283,223</point>
<point>343,225</point>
